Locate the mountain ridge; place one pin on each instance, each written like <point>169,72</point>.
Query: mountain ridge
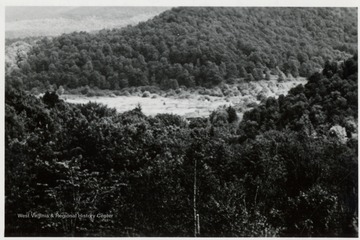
<point>199,46</point>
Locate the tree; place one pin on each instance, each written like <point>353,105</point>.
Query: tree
<point>250,78</point>
<point>257,74</point>
<point>232,114</point>
<point>242,72</point>
<point>60,91</point>
<point>51,98</point>
<point>232,71</point>
<point>281,76</point>
<point>164,47</point>
<point>173,84</point>
<point>267,75</point>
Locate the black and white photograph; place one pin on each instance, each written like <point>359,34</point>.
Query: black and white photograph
<point>176,120</point>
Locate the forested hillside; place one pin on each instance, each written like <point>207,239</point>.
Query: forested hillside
<point>328,99</point>
<point>194,46</point>
<point>286,170</point>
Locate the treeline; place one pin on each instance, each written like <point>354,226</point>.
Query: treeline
<point>273,177</point>
<point>195,47</point>
<point>328,99</point>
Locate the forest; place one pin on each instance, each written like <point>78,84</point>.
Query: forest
<point>191,46</point>
<point>287,168</point>
<point>290,168</point>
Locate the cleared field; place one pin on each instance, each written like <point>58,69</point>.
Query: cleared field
<point>152,106</point>
<point>194,105</point>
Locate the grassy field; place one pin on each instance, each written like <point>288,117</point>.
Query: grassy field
<point>153,106</point>
<point>196,103</point>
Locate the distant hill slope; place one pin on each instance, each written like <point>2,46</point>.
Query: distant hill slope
<point>52,21</point>
<point>197,46</point>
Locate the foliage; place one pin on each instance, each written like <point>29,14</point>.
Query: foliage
<point>194,46</point>
<point>326,100</point>
<point>278,174</point>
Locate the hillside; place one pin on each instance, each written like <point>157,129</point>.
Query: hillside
<point>24,22</point>
<point>327,100</point>
<point>196,47</point>
<point>289,169</point>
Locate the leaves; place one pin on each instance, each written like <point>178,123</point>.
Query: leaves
<point>192,46</point>
<point>271,177</point>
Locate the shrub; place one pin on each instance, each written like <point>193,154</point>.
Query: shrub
<point>85,90</point>
<point>146,94</point>
<point>90,93</point>
<point>170,120</point>
<point>125,93</point>
<point>60,91</point>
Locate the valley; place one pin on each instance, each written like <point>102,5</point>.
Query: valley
<point>193,122</point>
<point>189,103</point>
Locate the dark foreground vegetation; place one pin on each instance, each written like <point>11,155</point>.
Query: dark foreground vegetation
<point>193,47</point>
<point>288,169</point>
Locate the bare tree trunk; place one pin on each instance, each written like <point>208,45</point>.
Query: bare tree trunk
<point>194,207</point>
<point>198,224</point>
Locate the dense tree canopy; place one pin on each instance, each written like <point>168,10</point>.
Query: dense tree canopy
<point>279,173</point>
<point>195,46</point>
<point>327,99</point>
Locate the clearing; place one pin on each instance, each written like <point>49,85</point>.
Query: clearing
<point>242,96</point>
